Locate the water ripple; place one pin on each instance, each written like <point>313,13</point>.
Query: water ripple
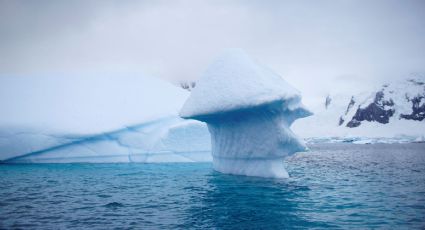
<point>341,186</point>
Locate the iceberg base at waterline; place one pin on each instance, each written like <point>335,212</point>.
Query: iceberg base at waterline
<point>251,167</point>
<point>253,142</point>
<point>249,117</point>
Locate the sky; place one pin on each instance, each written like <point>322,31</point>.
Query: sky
<point>318,46</point>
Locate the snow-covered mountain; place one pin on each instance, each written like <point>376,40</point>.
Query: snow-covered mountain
<point>402,101</point>
<point>393,110</point>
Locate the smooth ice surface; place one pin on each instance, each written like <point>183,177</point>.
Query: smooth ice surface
<point>249,110</point>
<point>96,119</point>
<point>166,140</point>
<point>234,81</point>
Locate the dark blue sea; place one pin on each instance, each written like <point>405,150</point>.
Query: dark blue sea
<point>336,186</point>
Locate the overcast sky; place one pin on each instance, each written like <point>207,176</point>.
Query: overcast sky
<point>316,45</point>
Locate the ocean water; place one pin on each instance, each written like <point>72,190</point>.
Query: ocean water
<point>341,186</point>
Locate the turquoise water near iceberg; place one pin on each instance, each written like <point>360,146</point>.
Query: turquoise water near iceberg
<point>339,186</point>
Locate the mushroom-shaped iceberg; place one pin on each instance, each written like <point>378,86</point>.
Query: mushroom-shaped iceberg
<point>248,109</point>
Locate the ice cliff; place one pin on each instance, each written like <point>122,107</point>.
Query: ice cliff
<point>126,118</point>
<point>169,139</point>
<point>249,110</point>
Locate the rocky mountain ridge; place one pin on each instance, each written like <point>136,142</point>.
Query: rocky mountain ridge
<point>394,109</point>
<point>389,101</point>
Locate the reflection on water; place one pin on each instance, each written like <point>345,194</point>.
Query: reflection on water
<point>333,186</point>
<point>248,202</point>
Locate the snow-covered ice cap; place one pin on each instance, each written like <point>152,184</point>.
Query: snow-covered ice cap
<point>233,82</point>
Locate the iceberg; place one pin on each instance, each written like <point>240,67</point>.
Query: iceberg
<point>50,119</point>
<point>249,110</point>
<point>170,139</point>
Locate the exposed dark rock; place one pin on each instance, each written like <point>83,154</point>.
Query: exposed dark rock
<point>416,82</point>
<point>350,105</point>
<point>341,121</point>
<point>328,101</point>
<point>375,111</point>
<point>353,123</point>
<point>418,110</point>
<point>188,85</point>
<point>407,93</point>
